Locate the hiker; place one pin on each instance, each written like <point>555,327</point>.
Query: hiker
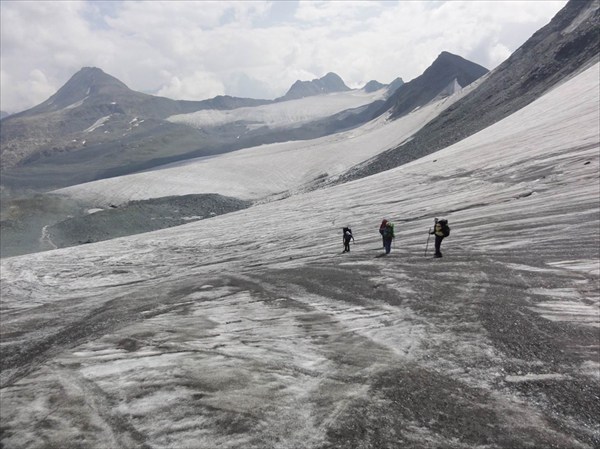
<point>347,237</point>
<point>381,229</point>
<point>388,236</point>
<point>440,230</point>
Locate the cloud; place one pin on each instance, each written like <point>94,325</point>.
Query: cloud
<point>239,84</point>
<point>337,12</point>
<point>199,85</point>
<point>28,89</point>
<point>197,50</point>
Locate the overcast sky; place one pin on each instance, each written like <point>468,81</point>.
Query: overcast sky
<point>196,50</point>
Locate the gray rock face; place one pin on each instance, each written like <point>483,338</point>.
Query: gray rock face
<point>395,85</point>
<point>328,84</point>
<point>373,85</point>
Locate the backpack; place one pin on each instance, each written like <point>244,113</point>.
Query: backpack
<point>347,233</point>
<point>445,228</point>
<point>389,230</point>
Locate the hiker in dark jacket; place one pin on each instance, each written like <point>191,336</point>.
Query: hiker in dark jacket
<point>347,237</point>
<point>439,236</point>
<point>388,236</point>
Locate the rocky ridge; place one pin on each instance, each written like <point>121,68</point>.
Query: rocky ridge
<point>569,43</point>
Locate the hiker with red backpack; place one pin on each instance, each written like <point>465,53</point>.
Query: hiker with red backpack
<point>381,229</point>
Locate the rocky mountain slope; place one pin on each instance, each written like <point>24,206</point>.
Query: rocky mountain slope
<point>93,119</point>
<point>447,70</point>
<point>569,43</point>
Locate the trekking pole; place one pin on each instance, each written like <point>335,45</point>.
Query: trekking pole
<point>435,220</point>
<point>428,235</point>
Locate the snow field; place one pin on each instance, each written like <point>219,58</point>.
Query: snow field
<point>214,334</point>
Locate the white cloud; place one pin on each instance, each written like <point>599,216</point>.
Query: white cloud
<point>336,12</point>
<point>498,53</point>
<point>14,90</point>
<point>42,44</point>
<point>197,86</point>
<point>223,47</point>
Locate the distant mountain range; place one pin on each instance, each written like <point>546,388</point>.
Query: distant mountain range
<point>96,127</point>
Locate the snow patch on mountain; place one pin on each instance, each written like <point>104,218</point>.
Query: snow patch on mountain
<point>452,88</point>
<point>76,104</point>
<point>97,124</point>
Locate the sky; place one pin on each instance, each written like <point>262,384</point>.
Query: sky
<point>195,50</point>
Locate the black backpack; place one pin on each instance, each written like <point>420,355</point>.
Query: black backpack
<point>445,228</point>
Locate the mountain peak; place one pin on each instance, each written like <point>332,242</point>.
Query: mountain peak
<point>94,76</point>
<point>373,85</point>
<point>446,57</point>
<point>446,70</point>
<point>88,81</point>
<point>447,54</point>
<point>331,77</point>
<point>329,83</point>
<point>91,70</point>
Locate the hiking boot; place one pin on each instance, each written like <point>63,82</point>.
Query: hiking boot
<point>437,256</point>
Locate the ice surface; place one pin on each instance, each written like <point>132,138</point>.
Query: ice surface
<point>252,330</point>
